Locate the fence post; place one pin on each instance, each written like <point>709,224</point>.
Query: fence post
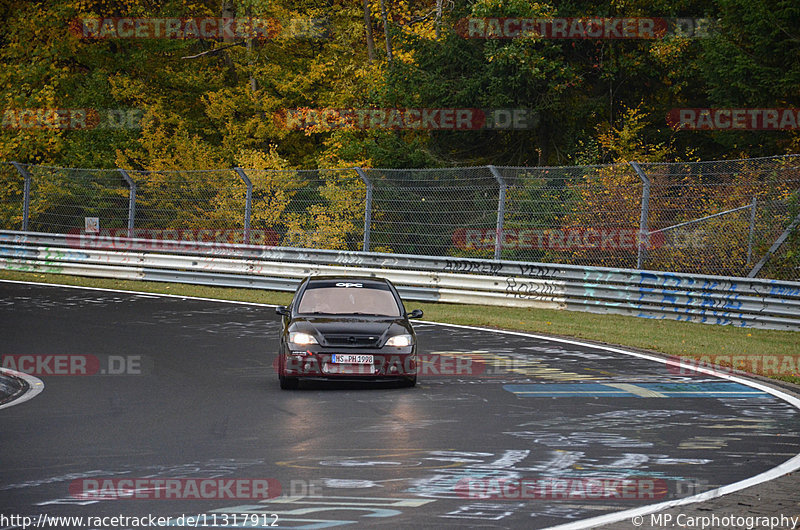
<point>131,200</point>
<point>367,208</point>
<point>501,212</point>
<point>248,202</point>
<point>26,195</point>
<point>752,231</point>
<point>644,233</point>
<point>775,246</point>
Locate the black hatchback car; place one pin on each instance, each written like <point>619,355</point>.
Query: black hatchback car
<point>347,328</point>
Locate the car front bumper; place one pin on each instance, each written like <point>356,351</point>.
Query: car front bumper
<point>319,364</point>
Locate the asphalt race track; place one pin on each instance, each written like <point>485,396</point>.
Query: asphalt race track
<point>189,392</point>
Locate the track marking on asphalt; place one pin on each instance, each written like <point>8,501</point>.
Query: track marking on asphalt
<point>414,455</point>
<point>642,390</point>
<point>637,390</point>
<point>35,387</point>
<point>789,466</point>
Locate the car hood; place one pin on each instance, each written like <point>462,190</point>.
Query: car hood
<point>379,327</point>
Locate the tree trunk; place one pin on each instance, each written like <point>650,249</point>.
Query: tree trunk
<point>250,61</point>
<point>368,29</point>
<point>386,35</point>
<point>228,10</point>
<point>438,19</point>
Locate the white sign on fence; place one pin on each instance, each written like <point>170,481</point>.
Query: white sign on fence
<point>92,225</point>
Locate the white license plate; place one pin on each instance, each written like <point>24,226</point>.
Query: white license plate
<point>351,358</point>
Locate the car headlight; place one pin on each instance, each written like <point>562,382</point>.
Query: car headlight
<point>399,341</point>
<point>298,337</point>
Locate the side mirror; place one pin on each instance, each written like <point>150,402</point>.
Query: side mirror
<point>417,313</point>
<point>282,310</point>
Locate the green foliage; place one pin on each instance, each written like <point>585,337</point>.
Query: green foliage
<point>226,100</point>
<point>207,104</point>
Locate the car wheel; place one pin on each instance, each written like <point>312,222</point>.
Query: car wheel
<point>288,383</point>
<point>411,382</point>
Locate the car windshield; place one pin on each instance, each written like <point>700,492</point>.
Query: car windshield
<point>349,298</point>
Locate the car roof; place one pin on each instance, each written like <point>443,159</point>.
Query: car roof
<point>368,280</point>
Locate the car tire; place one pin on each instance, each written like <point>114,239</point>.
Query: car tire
<point>289,383</point>
<point>410,382</point>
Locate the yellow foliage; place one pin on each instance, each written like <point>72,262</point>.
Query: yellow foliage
<point>333,221</point>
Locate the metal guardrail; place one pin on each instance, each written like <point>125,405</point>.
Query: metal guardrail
<point>745,302</point>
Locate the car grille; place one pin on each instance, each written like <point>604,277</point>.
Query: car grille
<point>353,341</point>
